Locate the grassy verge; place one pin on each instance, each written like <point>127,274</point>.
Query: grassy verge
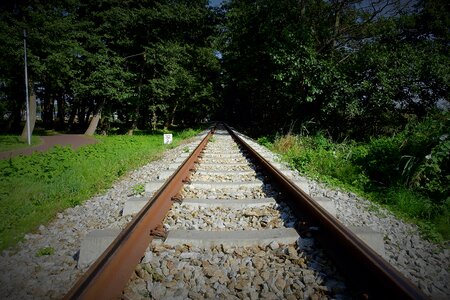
<point>34,188</point>
<point>13,142</point>
<point>344,165</point>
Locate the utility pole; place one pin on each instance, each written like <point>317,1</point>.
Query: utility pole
<point>26,87</point>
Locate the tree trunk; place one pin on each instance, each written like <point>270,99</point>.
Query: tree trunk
<point>337,22</point>
<point>94,121</point>
<point>93,124</point>
<point>134,121</point>
<point>32,107</point>
<point>170,118</point>
<point>82,113</point>
<point>73,113</point>
<point>172,121</point>
<point>154,118</point>
<point>302,8</point>
<point>47,111</point>
<point>61,112</point>
<point>336,28</point>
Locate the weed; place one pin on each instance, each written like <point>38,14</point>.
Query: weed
<point>411,204</point>
<point>212,139</point>
<point>186,149</point>
<point>265,141</point>
<point>430,231</point>
<point>285,143</point>
<point>138,189</point>
<point>45,251</point>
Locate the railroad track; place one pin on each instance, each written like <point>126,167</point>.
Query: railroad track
<point>230,224</point>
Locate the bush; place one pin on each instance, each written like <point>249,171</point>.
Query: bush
<point>409,172</point>
<point>382,158</point>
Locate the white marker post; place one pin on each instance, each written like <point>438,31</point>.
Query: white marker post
<point>167,138</point>
<point>26,87</point>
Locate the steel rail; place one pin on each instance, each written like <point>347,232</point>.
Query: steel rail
<point>109,274</point>
<point>371,276</point>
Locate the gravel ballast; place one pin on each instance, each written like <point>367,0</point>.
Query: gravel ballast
<point>290,271</point>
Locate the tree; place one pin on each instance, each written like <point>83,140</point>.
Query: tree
<point>355,70</point>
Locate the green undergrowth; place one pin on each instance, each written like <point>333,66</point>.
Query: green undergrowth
<point>13,142</point>
<point>34,188</point>
<point>407,173</point>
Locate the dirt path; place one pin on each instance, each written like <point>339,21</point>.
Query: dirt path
<point>48,142</point>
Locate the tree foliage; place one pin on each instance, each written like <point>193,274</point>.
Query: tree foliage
<point>349,67</point>
<point>132,61</point>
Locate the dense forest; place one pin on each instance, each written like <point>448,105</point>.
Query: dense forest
<point>352,68</point>
<point>118,64</point>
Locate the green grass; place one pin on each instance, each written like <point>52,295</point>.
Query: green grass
<point>34,188</point>
<point>45,251</point>
<point>13,142</point>
<point>336,165</point>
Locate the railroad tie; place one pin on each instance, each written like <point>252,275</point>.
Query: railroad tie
<point>238,238</point>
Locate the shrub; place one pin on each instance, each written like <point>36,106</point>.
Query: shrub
<point>381,162</point>
<point>409,172</point>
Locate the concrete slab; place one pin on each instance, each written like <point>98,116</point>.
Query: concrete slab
<point>134,205</point>
<point>303,185</point>
<point>232,203</point>
<point>93,245</point>
<point>179,159</point>
<point>327,204</point>
<point>225,185</point>
<point>151,187</point>
<point>371,237</point>
<point>279,166</point>
<point>220,172</point>
<point>164,175</point>
<point>232,238</point>
<point>287,173</point>
<point>222,155</point>
<point>243,164</point>
<point>173,166</point>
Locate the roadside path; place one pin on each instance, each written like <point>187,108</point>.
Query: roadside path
<point>48,142</point>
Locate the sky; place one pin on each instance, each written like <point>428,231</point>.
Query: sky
<point>215,2</point>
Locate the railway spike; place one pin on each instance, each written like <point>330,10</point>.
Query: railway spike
<point>159,232</point>
<point>177,198</point>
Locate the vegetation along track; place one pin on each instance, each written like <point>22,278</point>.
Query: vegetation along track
<point>238,228</point>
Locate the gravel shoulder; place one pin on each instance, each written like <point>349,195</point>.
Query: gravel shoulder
<point>27,275</point>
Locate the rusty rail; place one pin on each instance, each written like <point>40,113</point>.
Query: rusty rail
<point>370,274</point>
<point>109,274</point>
